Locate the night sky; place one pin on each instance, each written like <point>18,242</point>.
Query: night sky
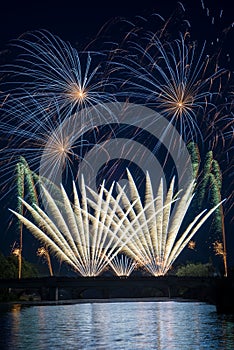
<point>79,22</point>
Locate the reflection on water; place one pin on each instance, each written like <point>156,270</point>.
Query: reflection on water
<point>118,325</point>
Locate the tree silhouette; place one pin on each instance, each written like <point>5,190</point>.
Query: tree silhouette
<point>208,192</point>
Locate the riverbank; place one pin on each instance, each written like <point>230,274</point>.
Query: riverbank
<point>94,301</point>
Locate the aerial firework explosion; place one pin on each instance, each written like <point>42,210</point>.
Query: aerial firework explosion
<point>51,83</point>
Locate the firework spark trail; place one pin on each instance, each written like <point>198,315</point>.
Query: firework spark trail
<point>51,69</point>
<point>123,265</point>
<point>125,222</point>
<point>164,240</point>
<point>220,128</point>
<point>171,77</point>
<point>29,141</point>
<point>152,63</point>
<point>163,73</point>
<point>51,81</point>
<point>147,233</point>
<point>67,232</point>
<point>43,252</point>
<point>172,73</point>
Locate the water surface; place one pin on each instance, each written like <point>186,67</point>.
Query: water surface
<point>116,325</point>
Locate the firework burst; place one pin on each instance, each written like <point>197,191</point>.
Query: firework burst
<point>51,84</point>
<point>67,232</point>
<point>88,240</point>
<point>56,75</point>
<point>159,243</point>
<point>123,265</point>
<point>28,140</point>
<point>172,77</point>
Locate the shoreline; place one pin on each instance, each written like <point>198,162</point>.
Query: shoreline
<point>96,300</point>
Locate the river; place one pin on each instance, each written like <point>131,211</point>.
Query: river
<point>118,325</point>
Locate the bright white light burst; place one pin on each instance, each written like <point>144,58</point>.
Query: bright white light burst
<point>90,232</point>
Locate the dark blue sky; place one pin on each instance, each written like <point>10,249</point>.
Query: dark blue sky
<point>79,21</point>
<point>72,20</point>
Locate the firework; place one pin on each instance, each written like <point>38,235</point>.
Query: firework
<point>159,244</point>
<point>49,82</point>
<point>147,231</point>
<point>218,248</point>
<point>123,265</point>
<point>53,73</point>
<point>67,232</point>
<point>192,245</point>
<point>42,251</point>
<point>55,111</point>
<point>172,77</point>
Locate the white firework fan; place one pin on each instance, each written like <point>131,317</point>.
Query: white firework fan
<point>91,232</point>
<point>160,241</point>
<point>123,265</point>
<point>87,238</point>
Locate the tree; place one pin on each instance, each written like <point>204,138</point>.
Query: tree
<point>25,180</point>
<point>9,267</point>
<point>195,270</point>
<point>208,191</point>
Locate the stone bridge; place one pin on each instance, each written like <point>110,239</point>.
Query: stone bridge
<point>201,288</point>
